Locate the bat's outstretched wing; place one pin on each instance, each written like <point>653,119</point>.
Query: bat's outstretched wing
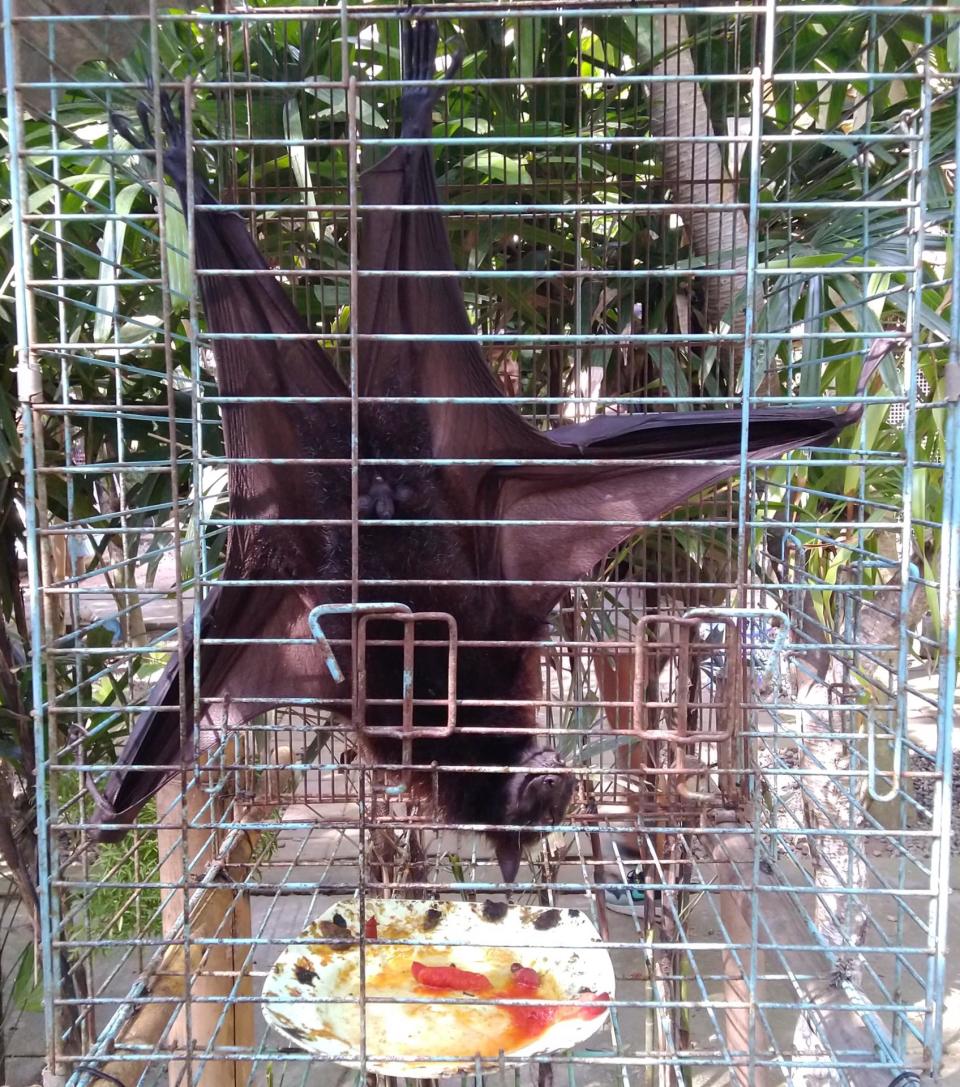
<point>409,308</point>
<point>611,500</point>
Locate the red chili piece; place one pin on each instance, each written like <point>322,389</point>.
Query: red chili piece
<point>588,1013</point>
<point>370,928</point>
<point>448,977</point>
<point>524,976</point>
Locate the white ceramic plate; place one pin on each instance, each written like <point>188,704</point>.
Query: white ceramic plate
<point>311,995</point>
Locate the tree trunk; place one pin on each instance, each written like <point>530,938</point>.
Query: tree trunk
<point>695,175</point>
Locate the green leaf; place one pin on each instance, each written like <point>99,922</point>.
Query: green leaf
<point>671,373</point>
<point>178,248</point>
<point>333,107</point>
<point>497,167</point>
<point>873,420</point>
<point>111,263</point>
<point>27,992</point>
<point>293,129</point>
<point>811,355</point>
<point>528,34</point>
<point>36,200</point>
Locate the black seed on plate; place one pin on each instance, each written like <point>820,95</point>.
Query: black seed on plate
<point>339,919</point>
<point>494,911</point>
<point>573,913</point>
<point>304,973</point>
<point>547,920</point>
<point>432,918</point>
<point>333,931</point>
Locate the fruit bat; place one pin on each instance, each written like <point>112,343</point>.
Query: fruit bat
<point>464,508</point>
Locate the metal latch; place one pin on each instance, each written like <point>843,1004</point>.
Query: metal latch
<point>408,621</point>
<point>400,613</point>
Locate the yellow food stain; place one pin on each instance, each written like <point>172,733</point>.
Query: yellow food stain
<point>480,1027</point>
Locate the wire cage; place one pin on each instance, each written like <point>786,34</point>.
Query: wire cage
<point>652,208</point>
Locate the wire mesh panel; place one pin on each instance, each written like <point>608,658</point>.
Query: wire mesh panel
<point>621,757</point>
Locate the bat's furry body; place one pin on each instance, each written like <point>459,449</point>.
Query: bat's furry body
<point>428,567</point>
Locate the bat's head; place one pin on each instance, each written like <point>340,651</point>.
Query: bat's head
<point>537,795</point>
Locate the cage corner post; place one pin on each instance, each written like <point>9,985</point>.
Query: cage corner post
<point>29,394</point>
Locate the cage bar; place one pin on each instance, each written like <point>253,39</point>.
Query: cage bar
<point>652,208</point>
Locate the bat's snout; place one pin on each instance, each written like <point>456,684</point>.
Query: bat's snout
<point>545,795</point>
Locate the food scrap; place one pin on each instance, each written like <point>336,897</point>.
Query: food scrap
<point>432,919</point>
<point>494,911</point>
<point>370,928</point>
<point>547,920</point>
<point>524,976</point>
<point>304,971</point>
<point>529,1020</point>
<point>448,977</point>
<point>336,929</point>
<point>533,1019</point>
<point>585,1013</point>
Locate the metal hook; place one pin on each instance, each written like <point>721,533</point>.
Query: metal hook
<point>313,620</point>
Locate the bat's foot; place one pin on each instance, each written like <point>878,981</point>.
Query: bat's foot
<point>420,37</point>
<point>174,151</point>
<point>172,123</point>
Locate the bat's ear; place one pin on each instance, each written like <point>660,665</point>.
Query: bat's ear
<point>506,845</point>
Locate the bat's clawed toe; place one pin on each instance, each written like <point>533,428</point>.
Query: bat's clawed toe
<point>456,63</point>
<point>419,46</point>
<point>172,125</point>
<point>143,112</point>
<point>420,38</point>
<point>122,125</point>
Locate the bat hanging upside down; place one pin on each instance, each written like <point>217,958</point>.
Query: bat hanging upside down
<point>522,512</point>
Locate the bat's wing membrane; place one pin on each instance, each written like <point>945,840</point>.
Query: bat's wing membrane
<point>248,669</point>
<point>292,416</point>
<point>264,354</point>
<point>416,337</point>
<point>604,504</point>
